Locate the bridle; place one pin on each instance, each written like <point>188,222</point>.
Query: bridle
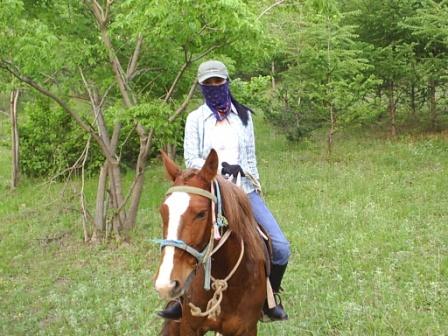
<point>204,256</point>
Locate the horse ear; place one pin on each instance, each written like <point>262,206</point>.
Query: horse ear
<point>171,168</point>
<point>210,167</point>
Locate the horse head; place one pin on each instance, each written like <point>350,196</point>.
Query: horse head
<point>187,225</point>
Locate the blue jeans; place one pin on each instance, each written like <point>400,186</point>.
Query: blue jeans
<point>264,217</point>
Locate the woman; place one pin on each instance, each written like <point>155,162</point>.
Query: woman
<point>226,125</point>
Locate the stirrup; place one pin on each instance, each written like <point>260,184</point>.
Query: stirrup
<point>274,314</point>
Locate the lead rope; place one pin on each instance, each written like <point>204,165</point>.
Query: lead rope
<point>219,286</point>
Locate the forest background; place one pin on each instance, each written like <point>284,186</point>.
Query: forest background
<point>350,101</point>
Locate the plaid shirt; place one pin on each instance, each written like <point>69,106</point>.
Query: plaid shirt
<point>198,142</point>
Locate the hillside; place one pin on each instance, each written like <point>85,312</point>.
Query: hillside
<point>368,233</point>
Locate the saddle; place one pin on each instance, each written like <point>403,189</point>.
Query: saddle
<point>267,249</point>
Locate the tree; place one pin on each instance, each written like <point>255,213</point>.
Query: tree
<point>53,47</point>
<point>14,99</point>
<point>428,26</point>
<point>325,75</point>
<point>407,51</point>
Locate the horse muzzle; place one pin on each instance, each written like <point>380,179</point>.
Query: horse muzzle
<point>169,290</point>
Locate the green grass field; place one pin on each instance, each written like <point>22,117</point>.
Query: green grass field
<point>368,231</point>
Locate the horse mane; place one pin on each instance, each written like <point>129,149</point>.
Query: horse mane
<point>238,212</point>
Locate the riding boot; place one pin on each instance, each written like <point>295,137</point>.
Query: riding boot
<point>173,311</point>
<point>277,313</point>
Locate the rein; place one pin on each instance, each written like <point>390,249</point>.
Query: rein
<point>219,286</point>
<point>219,221</point>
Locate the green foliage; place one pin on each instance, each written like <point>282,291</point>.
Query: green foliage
<point>53,41</point>
<point>153,114</point>
<point>327,72</point>
<point>252,93</point>
<point>406,49</point>
<point>176,32</point>
<point>50,142</point>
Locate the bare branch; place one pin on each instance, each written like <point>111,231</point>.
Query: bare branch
<point>279,2</point>
<point>89,91</point>
<point>15,93</point>
<point>79,97</point>
<point>12,70</point>
<point>101,18</point>
<point>185,103</point>
<point>93,95</point>
<point>208,51</point>
<point>83,198</point>
<point>140,130</point>
<point>176,80</point>
<point>143,71</point>
<point>150,83</point>
<point>202,29</point>
<point>98,11</point>
<point>108,4</point>
<point>50,78</point>
<point>103,99</point>
<point>131,189</point>
<point>126,140</point>
<point>70,170</point>
<point>132,67</point>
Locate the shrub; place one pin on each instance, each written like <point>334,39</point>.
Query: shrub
<point>51,142</point>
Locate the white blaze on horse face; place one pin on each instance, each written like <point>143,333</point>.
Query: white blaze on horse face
<point>177,204</point>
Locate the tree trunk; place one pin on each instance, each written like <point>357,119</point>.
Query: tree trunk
<point>273,75</point>
<point>14,138</point>
<point>119,215</point>
<point>100,213</point>
<point>331,131</point>
<point>111,169</point>
<point>145,146</point>
<point>413,103</point>
<point>392,109</point>
<point>432,103</point>
<point>170,149</point>
<point>120,220</point>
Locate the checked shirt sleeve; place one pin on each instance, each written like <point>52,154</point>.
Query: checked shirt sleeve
<point>250,146</point>
<point>192,142</point>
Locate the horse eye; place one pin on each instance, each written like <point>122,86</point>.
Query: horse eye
<point>200,215</point>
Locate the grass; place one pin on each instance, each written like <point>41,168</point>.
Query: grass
<point>368,234</point>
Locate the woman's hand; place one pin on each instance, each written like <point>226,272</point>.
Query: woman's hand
<point>232,170</point>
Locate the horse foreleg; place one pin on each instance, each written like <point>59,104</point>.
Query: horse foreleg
<point>170,328</point>
<point>173,328</point>
<point>251,331</point>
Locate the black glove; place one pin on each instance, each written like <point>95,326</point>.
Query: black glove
<point>228,169</point>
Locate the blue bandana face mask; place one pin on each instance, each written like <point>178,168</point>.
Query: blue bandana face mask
<point>218,99</point>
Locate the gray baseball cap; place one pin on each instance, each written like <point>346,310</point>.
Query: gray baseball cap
<point>210,69</point>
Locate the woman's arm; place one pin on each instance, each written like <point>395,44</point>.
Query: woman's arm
<point>251,156</point>
<point>192,151</point>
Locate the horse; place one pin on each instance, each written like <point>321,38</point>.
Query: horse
<point>195,250</point>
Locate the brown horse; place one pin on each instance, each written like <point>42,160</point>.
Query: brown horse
<point>234,303</point>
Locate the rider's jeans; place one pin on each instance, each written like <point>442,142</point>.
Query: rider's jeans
<point>264,217</point>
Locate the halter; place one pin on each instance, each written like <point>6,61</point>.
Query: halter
<point>204,256</point>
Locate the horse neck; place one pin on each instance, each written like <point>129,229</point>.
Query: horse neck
<point>225,259</point>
